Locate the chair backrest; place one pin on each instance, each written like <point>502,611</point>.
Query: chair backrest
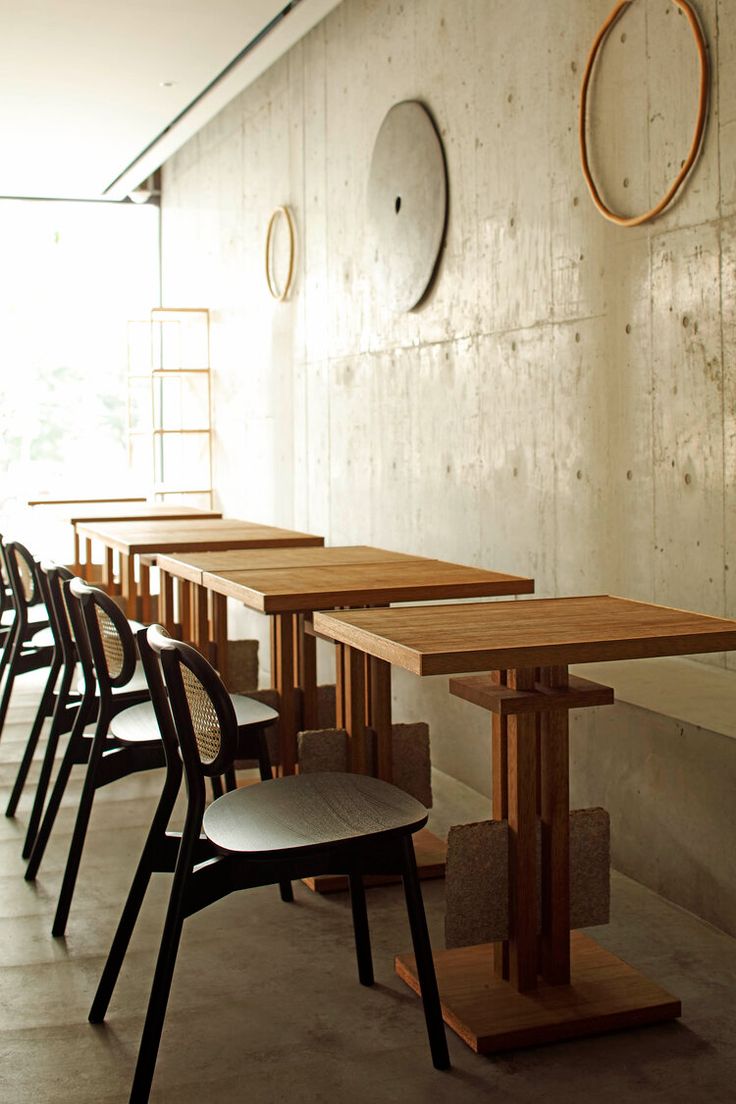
<point>204,718</point>
<point>110,637</point>
<point>50,578</point>
<point>21,568</point>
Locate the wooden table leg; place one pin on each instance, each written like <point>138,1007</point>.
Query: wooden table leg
<point>77,568</point>
<point>144,588</point>
<point>307,672</point>
<point>555,823</point>
<point>200,625</point>
<point>561,985</point>
<point>379,716</point>
<point>219,634</point>
<point>522,818</point>
<point>500,802</point>
<point>166,601</point>
<point>87,566</point>
<point>284,671</point>
<point>108,572</point>
<point>185,608</point>
<point>127,578</point>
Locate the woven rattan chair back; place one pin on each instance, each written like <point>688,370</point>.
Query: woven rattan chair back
<point>203,715</point>
<point>21,569</point>
<point>110,637</point>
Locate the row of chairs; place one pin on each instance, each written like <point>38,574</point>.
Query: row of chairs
<point>156,702</point>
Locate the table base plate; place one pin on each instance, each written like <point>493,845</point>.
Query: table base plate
<point>430,851</point>
<point>605,994</point>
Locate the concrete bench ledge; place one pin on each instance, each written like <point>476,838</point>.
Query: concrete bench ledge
<point>686,690</point>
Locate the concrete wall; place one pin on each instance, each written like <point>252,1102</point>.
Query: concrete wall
<point>562,403</point>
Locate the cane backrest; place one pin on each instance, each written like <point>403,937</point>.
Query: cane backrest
<point>110,637</point>
<point>21,569</point>
<point>204,717</point>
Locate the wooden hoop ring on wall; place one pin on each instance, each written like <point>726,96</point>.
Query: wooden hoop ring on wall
<point>272,286</point>
<point>614,16</point>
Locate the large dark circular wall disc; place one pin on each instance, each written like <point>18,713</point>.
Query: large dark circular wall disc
<point>407,205</point>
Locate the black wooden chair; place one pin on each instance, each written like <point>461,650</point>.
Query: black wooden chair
<point>99,635</point>
<point>48,706</point>
<point>284,829</point>
<point>29,644</point>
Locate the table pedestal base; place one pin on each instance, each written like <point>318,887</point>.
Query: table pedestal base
<point>604,994</point>
<point>429,849</point>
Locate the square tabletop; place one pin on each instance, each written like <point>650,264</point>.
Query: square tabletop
<point>134,538</point>
<point>193,565</point>
<point>436,640</point>
<point>79,513</point>
<point>395,578</point>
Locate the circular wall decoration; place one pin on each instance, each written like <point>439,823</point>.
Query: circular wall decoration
<point>697,139</point>
<point>276,215</point>
<point>407,204</point>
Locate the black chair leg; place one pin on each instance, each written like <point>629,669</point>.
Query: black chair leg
<point>264,766</point>
<point>7,692</point>
<point>47,767</point>
<point>44,710</point>
<point>146,866</point>
<point>80,828</point>
<point>231,782</point>
<point>72,756</point>
<point>216,784</point>
<point>360,928</point>
<point>423,955</point>
<point>165,964</point>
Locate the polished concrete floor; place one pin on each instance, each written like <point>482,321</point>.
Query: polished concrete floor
<point>266,1006</point>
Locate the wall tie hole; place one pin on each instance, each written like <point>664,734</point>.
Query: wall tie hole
<point>397,204</point>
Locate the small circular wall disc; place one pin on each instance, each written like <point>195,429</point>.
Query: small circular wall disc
<point>407,205</point>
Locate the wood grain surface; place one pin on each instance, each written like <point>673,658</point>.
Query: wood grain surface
<point>193,565</point>
<point>355,584</point>
<point>133,538</point>
<point>448,639</point>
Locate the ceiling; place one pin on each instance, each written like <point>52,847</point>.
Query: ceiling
<point>96,94</point>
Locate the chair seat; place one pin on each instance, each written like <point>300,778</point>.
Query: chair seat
<point>44,638</point>
<point>136,685</point>
<point>248,711</point>
<point>309,811</point>
<point>136,725</point>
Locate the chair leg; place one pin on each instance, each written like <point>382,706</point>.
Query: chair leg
<point>46,768</point>
<point>264,767</point>
<point>71,758</point>
<point>425,962</point>
<point>146,866</point>
<point>360,928</point>
<point>80,827</point>
<point>7,691</point>
<point>216,784</point>
<point>44,710</point>
<point>165,964</point>
<point>231,782</point>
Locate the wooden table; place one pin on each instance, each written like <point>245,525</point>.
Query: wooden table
<point>120,510</point>
<point>532,989</point>
<point>289,584</point>
<point>131,540</point>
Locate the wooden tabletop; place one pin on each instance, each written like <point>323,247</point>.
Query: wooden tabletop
<point>435,640</point>
<point>133,538</point>
<point>193,565</point>
<point>406,579</point>
<point>79,513</point>
<point>84,501</point>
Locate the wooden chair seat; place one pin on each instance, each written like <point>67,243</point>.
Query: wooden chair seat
<point>302,812</point>
<point>139,722</point>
